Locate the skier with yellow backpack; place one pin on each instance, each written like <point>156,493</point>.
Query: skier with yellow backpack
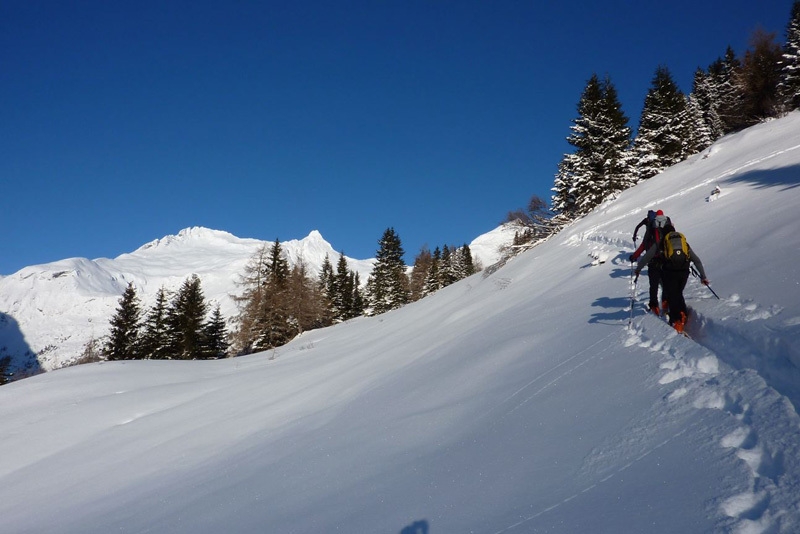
<point>677,257</point>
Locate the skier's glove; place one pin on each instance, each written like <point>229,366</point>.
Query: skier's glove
<point>631,258</point>
<point>705,281</point>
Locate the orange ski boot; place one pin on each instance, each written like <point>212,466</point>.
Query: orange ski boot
<point>680,324</point>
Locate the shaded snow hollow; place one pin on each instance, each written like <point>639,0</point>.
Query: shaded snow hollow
<point>515,402</point>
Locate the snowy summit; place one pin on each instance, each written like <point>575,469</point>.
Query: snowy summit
<point>517,400</point>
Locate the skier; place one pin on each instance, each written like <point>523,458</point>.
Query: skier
<point>676,257</point>
<point>654,224</point>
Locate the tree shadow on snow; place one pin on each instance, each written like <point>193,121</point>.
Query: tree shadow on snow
<point>17,359</point>
<point>619,310</point>
<point>784,178</point>
<point>417,527</point>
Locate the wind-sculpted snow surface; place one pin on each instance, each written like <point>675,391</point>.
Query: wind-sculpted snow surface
<point>521,401</point>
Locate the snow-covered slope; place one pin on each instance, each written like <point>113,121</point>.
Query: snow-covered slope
<point>515,402</point>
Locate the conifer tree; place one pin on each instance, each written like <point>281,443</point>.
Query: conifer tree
<point>186,320</point>
<point>274,323</point>
<point>759,78</point>
<point>663,129</point>
<point>250,302</point>
<point>307,306</point>
<point>586,129</point>
<point>278,302</point>
<point>565,193</point>
<point>387,286</point>
<point>343,292</point>
<point>326,286</point>
<point>464,262</point>
<point>789,84</point>
<point>359,303</point>
<point>698,133</point>
<point>433,280</point>
<point>419,273</point>
<point>155,336</point>
<point>215,336</point>
<point>724,75</point>
<point>703,102</point>
<point>615,143</point>
<point>447,273</point>
<point>124,336</point>
<point>601,164</point>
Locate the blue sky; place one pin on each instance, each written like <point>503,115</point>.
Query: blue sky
<point>123,122</point>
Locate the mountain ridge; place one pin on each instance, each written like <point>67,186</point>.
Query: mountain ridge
<point>61,306</point>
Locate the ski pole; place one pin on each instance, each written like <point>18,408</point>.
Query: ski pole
<point>696,274</point>
<point>633,294</point>
<point>712,291</point>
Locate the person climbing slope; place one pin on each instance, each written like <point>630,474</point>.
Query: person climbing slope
<point>654,224</point>
<point>677,257</point>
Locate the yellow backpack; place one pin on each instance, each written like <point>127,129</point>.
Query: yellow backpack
<point>676,251</point>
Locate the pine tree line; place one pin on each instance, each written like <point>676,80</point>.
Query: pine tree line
<point>176,328</point>
<point>342,290</point>
<point>445,266</point>
<point>277,302</point>
<point>730,95</point>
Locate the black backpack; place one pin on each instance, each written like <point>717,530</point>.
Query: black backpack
<point>655,230</point>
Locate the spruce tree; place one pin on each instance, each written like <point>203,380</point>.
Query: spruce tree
<point>326,286</point>
<point>343,292</point>
<point>215,336</point>
<point>704,107</point>
<point>464,262</point>
<point>186,317</point>
<point>359,301</point>
<point>724,75</point>
<point>433,280</point>
<point>155,334</point>
<point>759,78</point>
<point>123,339</point>
<point>447,273</point>
<point>789,84</point>
<point>347,298</point>
<point>663,129</point>
<point>615,143</point>
<point>565,193</point>
<point>388,284</point>
<point>601,164</point>
<point>586,130</point>
<point>698,134</point>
